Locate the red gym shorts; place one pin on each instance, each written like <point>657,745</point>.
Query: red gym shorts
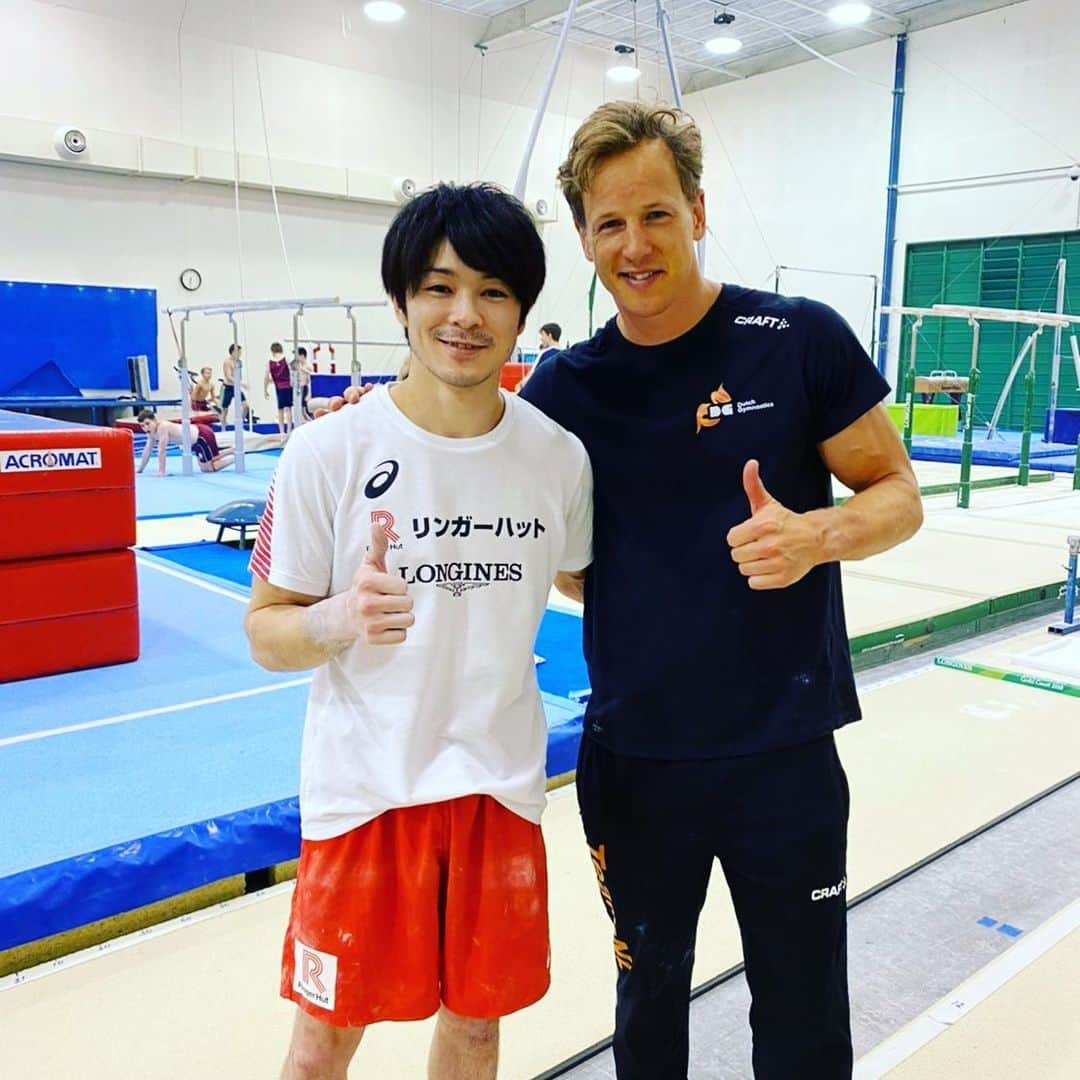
<point>445,902</point>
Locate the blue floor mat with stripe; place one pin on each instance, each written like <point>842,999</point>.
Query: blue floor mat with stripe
<point>129,784</point>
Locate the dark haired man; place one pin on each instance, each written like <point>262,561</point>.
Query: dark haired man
<point>422,880</point>
<point>550,335</point>
<point>279,375</point>
<point>161,433</point>
<point>228,378</point>
<point>304,371</point>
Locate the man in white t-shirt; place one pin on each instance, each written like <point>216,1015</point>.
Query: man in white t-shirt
<point>406,555</point>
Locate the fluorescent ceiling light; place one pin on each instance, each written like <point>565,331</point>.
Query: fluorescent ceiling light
<point>723,46</point>
<point>384,11</point>
<point>849,14</point>
<point>623,73</point>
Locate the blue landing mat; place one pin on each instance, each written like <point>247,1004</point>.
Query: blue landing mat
<point>176,495</point>
<point>129,784</point>
<point>558,641</point>
<point>1002,450</point>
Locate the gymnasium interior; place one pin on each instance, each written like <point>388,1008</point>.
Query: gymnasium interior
<point>179,178</point>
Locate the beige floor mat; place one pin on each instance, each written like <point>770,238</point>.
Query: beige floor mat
<point>939,753</point>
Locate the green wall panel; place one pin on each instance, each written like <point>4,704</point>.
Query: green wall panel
<point>1018,272</point>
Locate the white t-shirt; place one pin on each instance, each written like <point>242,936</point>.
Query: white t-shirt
<point>478,528</point>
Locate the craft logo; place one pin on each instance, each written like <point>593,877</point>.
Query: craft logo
<point>386,520</point>
<point>769,321</point>
<point>457,578</point>
<point>50,460</point>
<point>315,976</point>
<point>830,892</point>
<point>719,405</point>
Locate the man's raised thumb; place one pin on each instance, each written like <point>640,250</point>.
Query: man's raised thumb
<point>376,552</point>
<point>754,488</point>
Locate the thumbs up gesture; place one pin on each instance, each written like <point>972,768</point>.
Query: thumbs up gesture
<point>379,602</point>
<point>774,547</point>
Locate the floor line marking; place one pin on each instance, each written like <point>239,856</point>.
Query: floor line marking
<point>153,565</point>
<point>123,718</point>
<point>972,992</point>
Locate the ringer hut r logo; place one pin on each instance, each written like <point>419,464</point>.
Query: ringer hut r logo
<point>315,975</point>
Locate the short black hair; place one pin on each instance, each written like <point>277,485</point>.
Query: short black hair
<point>232,349</point>
<point>552,329</point>
<point>147,414</point>
<point>488,228</point>
<point>301,351</point>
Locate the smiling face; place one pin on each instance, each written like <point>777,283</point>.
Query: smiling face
<point>462,324</point>
<point>640,232</point>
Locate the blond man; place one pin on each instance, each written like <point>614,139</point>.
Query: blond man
<point>714,622</point>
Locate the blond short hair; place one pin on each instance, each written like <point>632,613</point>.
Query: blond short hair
<point>618,126</point>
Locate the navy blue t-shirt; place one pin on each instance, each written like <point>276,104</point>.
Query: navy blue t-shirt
<point>685,660</point>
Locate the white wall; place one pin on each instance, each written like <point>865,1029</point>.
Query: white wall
<point>803,150</point>
<point>991,94</point>
<point>399,100</point>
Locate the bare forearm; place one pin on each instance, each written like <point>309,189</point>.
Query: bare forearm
<point>289,637</point>
<point>874,520</point>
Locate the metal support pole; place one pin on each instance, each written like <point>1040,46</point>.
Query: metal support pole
<point>185,399</point>
<point>909,397</point>
<point>1069,624</point>
<point>963,493</point>
<point>1070,585</point>
<point>1025,439</point>
<point>899,80</point>
<point>294,370</point>
<point>1029,407</point>
<point>354,363</point>
<point>1055,364</point>
<point>238,396</point>
<point>1009,380</point>
<point>538,118</point>
<point>1076,468</point>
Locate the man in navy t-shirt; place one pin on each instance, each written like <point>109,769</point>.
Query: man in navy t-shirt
<point>715,417</point>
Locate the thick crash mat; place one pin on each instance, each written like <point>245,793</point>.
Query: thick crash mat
<point>64,489</point>
<point>67,612</point>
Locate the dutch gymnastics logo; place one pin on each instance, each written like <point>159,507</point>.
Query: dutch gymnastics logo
<point>38,460</point>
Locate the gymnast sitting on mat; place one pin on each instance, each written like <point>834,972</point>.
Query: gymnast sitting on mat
<point>204,395</point>
<point>203,443</point>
